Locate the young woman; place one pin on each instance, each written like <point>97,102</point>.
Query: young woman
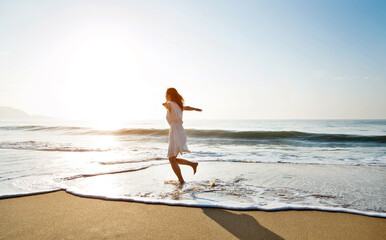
<point>177,138</point>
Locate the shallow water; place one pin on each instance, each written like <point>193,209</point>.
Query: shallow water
<point>332,165</point>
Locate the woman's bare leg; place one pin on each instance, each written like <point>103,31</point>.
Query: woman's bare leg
<point>186,162</point>
<point>176,169</point>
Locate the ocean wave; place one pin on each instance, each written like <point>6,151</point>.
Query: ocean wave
<point>133,161</point>
<point>214,134</point>
<point>103,173</point>
<point>250,135</point>
<point>45,146</point>
<point>42,128</point>
<point>293,135</point>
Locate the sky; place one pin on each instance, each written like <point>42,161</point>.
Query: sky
<point>234,59</point>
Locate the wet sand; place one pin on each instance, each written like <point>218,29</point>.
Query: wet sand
<point>60,215</point>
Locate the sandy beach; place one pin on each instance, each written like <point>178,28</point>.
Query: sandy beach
<point>60,215</point>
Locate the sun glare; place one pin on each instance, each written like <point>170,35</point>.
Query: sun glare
<point>103,73</point>
<point>107,124</point>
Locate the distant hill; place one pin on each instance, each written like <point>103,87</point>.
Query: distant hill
<point>13,113</point>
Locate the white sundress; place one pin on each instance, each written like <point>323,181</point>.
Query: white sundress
<point>177,137</point>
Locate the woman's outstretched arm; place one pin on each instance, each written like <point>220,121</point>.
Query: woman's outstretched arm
<point>166,105</point>
<point>187,108</point>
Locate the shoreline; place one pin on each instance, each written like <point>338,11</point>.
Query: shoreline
<point>200,193</point>
<point>196,193</point>
<point>290,208</point>
<point>63,215</point>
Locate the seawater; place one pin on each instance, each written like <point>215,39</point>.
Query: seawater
<point>331,165</point>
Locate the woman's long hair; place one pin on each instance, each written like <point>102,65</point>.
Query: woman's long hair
<point>176,97</point>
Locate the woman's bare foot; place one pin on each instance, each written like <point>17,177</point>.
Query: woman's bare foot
<point>182,182</point>
<point>195,167</point>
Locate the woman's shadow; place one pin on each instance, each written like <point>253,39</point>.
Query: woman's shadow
<point>241,226</point>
